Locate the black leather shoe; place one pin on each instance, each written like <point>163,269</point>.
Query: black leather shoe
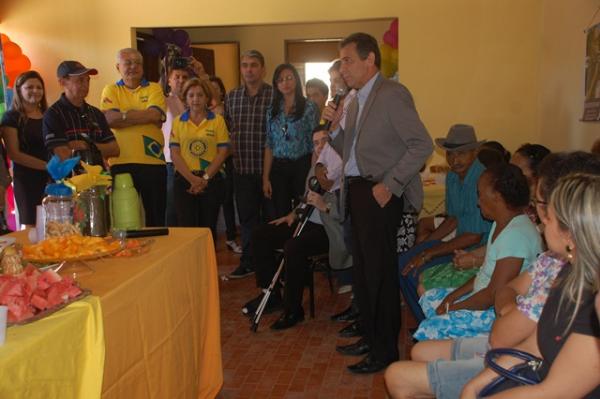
<point>368,365</point>
<point>358,348</point>
<point>347,315</point>
<point>351,330</point>
<point>288,320</point>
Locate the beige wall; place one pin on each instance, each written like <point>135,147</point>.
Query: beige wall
<point>562,75</point>
<point>472,61</point>
<point>269,39</point>
<point>226,63</point>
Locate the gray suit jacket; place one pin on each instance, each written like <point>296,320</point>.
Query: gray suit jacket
<point>392,143</point>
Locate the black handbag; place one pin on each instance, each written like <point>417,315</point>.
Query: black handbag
<point>522,374</point>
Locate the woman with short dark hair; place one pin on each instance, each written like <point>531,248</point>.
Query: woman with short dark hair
<point>513,244</point>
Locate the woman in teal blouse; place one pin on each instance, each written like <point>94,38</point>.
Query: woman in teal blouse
<point>290,122</point>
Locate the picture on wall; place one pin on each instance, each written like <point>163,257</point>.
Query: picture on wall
<point>591,107</point>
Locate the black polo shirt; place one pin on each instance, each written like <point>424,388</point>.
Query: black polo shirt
<point>64,122</point>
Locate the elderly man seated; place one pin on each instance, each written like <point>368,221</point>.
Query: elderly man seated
<point>462,214</point>
<point>315,239</point>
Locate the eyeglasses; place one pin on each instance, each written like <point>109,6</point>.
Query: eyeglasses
<point>287,78</point>
<point>128,63</point>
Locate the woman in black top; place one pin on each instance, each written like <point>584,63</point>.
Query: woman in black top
<point>22,134</point>
<point>568,332</point>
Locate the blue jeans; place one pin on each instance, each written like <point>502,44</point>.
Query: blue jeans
<point>409,283</point>
<point>448,377</point>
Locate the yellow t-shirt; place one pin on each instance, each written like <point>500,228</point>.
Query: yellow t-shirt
<point>198,143</point>
<point>140,143</point>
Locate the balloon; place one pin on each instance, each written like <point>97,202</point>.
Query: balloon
<point>4,38</point>
<point>186,51</point>
<point>18,64</point>
<point>394,56</point>
<point>181,38</point>
<point>12,77</point>
<point>164,35</point>
<point>385,51</point>
<point>391,38</point>
<point>153,47</point>
<point>11,50</point>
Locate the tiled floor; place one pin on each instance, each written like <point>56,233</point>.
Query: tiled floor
<point>300,362</point>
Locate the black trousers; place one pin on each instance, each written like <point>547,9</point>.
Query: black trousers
<point>374,245</point>
<point>29,188</point>
<point>288,181</point>
<point>267,238</point>
<point>201,210</point>
<point>151,182</point>
<point>252,210</point>
<point>228,205</point>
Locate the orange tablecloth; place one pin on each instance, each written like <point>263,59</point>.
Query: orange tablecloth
<point>161,319</point>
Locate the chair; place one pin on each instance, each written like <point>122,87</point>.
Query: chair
<point>318,263</point>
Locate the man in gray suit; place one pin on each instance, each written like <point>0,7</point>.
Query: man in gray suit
<point>384,144</point>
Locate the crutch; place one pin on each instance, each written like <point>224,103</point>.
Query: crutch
<point>305,214</point>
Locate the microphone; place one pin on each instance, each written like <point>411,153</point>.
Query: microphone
<point>339,93</point>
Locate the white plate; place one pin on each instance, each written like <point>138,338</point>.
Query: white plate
<point>6,241</point>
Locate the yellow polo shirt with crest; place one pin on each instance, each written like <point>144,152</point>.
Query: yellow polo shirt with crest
<point>198,144</point>
<point>141,144</point>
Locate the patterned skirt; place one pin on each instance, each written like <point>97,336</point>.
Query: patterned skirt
<point>455,324</point>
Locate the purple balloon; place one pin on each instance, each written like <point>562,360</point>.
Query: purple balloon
<point>186,51</point>
<point>181,38</point>
<point>162,34</point>
<point>153,47</point>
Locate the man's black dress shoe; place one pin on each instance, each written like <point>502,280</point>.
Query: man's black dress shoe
<point>351,330</point>
<point>288,320</point>
<point>350,314</point>
<point>368,365</point>
<point>358,348</point>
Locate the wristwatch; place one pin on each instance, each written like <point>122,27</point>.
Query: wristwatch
<point>206,177</point>
<point>124,116</point>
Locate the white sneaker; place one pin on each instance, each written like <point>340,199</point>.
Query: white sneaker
<point>233,246</point>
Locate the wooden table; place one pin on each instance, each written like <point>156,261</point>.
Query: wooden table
<point>160,312</point>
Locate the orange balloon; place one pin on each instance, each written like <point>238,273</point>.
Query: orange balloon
<point>4,38</point>
<point>11,50</point>
<point>18,64</point>
<point>12,77</point>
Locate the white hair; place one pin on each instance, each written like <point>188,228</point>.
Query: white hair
<point>127,50</point>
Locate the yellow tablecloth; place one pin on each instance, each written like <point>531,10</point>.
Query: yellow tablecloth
<point>434,201</point>
<point>160,313</point>
<point>60,356</point>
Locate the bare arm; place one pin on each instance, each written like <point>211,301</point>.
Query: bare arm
<point>110,149</point>
<point>197,183</point>
<point>215,165</point>
<point>11,139</point>
<point>473,387</point>
<point>506,296</point>
<point>267,164</point>
<point>506,269</point>
<point>564,380</point>
<point>447,227</point>
<point>134,117</point>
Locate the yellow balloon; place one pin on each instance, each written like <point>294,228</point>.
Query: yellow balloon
<point>385,51</point>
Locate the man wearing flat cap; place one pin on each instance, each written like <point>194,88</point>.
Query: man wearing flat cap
<point>71,124</point>
<point>463,215</point>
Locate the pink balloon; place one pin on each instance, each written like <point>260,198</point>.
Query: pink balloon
<point>391,39</point>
